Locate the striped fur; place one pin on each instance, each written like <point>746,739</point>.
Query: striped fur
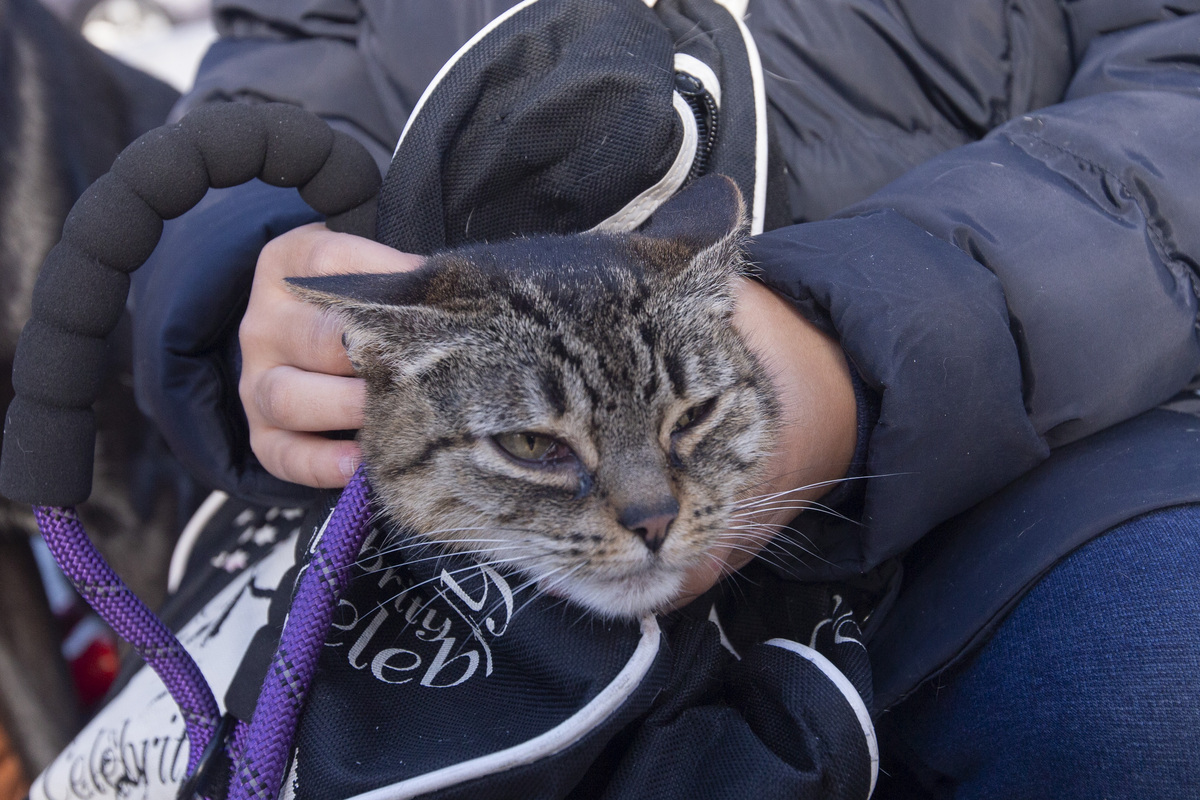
<point>600,341</point>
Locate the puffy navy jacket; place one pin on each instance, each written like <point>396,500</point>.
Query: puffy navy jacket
<point>998,208</point>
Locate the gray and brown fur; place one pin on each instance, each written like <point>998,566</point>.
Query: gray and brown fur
<point>601,341</point>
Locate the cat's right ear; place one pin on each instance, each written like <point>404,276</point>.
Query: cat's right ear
<point>389,332</point>
<point>357,289</point>
<point>708,211</point>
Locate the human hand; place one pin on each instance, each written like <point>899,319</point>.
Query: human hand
<point>296,379</point>
<point>817,430</point>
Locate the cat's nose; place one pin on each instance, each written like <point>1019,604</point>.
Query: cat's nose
<point>651,525</point>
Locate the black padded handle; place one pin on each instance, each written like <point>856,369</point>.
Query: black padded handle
<point>49,432</point>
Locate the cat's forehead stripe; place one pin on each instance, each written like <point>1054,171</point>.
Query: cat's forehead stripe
<point>676,373</point>
<point>527,306</point>
<point>553,390</point>
<point>558,346</point>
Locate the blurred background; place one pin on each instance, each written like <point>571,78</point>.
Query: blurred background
<point>79,79</point>
<point>165,38</point>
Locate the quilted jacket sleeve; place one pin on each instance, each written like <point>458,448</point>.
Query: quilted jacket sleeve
<point>1019,292</point>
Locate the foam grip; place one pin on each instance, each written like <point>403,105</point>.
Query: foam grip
<point>164,167</point>
<point>346,180</point>
<point>45,473</point>
<point>232,140</point>
<point>113,228</point>
<point>297,145</point>
<point>56,367</point>
<point>111,224</point>
<point>57,298</point>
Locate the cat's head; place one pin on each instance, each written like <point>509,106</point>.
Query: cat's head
<point>576,408</point>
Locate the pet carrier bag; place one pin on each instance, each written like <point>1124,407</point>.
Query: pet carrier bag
<point>304,660</point>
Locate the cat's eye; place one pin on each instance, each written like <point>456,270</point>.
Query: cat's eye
<point>536,447</point>
<point>692,416</point>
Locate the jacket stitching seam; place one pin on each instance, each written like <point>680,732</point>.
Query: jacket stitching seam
<point>1163,245</point>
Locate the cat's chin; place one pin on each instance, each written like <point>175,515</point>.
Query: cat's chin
<point>628,597</point>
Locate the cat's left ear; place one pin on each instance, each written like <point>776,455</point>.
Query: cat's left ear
<point>695,241</point>
<point>707,212</point>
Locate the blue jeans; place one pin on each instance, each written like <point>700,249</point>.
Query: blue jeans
<point>1089,689</point>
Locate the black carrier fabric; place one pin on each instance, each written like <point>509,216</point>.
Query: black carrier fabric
<point>553,120</point>
<point>510,142</point>
<point>560,113</point>
<point>444,678</point>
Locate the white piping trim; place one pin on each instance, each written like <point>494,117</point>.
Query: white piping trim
<point>639,209</point>
<point>441,73</point>
<point>187,540</point>
<point>758,208</point>
<point>716,620</point>
<point>702,72</point>
<point>847,689</point>
<point>558,738</point>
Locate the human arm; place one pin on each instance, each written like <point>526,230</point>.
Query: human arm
<point>1017,293</point>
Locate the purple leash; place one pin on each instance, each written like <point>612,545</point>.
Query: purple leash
<point>50,430</point>
<point>261,749</point>
<point>133,622</point>
<point>268,742</point>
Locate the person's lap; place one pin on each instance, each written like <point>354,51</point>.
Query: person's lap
<point>1090,688</point>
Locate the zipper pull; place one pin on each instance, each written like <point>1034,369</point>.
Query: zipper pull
<point>704,108</point>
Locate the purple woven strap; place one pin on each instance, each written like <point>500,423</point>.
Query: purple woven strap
<point>132,621</point>
<point>266,746</point>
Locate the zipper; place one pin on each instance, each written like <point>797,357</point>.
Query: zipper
<point>704,108</point>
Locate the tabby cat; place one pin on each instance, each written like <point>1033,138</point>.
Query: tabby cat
<point>579,409</point>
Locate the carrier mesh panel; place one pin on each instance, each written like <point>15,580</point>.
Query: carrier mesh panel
<point>549,125</point>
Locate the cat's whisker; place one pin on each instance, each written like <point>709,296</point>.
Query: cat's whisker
<point>413,539</point>
<point>422,545</point>
<point>749,501</point>
<point>429,545</point>
<point>794,512</point>
<point>434,579</point>
<point>748,507</point>
<point>758,544</point>
<point>736,583</point>
<point>544,588</point>
<point>418,546</point>
<point>755,500</point>
<point>793,506</point>
<point>517,591</point>
<point>781,532</point>
<point>436,556</point>
<point>777,476</point>
<point>423,540</point>
<point>769,536</point>
<point>762,555</point>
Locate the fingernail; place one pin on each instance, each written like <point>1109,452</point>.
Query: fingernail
<point>348,464</point>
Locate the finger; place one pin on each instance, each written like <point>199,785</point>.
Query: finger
<point>306,458</point>
<point>277,327</point>
<point>296,400</point>
<point>286,330</point>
